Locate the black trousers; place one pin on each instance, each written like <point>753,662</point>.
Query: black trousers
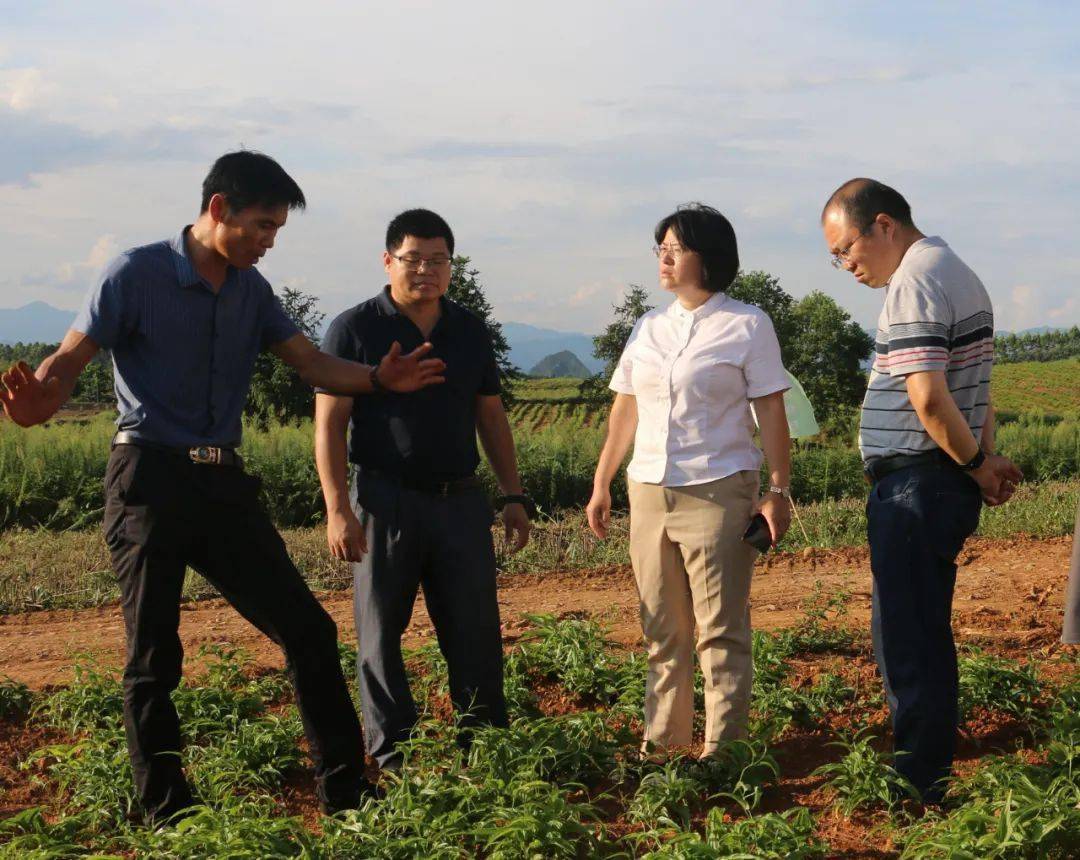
<point>918,520</point>
<point>442,543</point>
<point>164,513</point>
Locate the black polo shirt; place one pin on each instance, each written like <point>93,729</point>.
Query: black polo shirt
<point>428,434</point>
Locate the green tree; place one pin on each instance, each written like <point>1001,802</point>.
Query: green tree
<point>827,357</point>
<point>607,347</point>
<point>819,343</point>
<point>278,395</point>
<point>95,383</point>
<point>1035,346</point>
<point>466,290</point>
<point>764,291</point>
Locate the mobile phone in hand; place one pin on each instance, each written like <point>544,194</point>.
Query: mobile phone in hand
<point>757,533</point>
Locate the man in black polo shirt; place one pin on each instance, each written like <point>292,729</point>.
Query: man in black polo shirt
<point>184,319</point>
<point>417,515</point>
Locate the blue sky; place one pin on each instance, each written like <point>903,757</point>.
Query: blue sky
<point>551,138</point>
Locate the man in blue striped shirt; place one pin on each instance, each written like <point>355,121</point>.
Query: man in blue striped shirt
<point>185,319</point>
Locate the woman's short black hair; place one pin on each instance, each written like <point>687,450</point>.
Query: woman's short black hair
<point>247,178</point>
<point>421,223</point>
<point>705,231</point>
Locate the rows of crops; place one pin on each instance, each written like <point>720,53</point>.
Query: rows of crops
<point>566,779</point>
<point>48,569</point>
<point>51,476</point>
<point>533,415</point>
<point>1047,386</point>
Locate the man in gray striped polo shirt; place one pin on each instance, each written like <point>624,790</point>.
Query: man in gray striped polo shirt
<point>927,439</point>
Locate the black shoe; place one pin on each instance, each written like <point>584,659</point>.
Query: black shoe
<point>352,799</point>
<point>393,765</point>
<point>170,818</point>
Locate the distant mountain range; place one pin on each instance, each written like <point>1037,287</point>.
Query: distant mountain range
<point>39,322</point>
<point>563,363</point>
<point>36,322</point>
<point>530,344</point>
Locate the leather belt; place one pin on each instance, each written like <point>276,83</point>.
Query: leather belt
<point>204,455</point>
<point>439,488</point>
<point>877,469</point>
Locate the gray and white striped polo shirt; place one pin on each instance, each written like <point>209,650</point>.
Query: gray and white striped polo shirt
<point>937,316</point>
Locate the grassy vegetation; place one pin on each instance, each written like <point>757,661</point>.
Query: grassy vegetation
<point>44,569</point>
<point>51,476</point>
<point>1047,386</point>
<point>561,781</point>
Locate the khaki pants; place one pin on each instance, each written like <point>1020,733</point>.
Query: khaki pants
<point>691,565</point>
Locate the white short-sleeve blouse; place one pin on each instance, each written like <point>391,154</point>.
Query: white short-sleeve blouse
<point>693,374</point>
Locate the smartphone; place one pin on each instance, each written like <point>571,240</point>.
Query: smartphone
<point>757,533</point>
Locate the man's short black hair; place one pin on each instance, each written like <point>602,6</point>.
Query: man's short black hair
<point>421,223</point>
<point>862,200</point>
<point>247,178</point>
<point>702,229</point>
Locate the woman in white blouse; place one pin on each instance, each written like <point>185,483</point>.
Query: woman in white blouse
<point>684,387</point>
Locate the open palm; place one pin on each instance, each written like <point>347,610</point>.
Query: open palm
<point>411,371</point>
<point>27,401</point>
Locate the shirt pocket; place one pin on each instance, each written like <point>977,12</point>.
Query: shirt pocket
<point>648,376</point>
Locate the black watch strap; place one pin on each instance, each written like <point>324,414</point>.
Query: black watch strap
<point>376,383</point>
<point>974,462</point>
<point>518,499</point>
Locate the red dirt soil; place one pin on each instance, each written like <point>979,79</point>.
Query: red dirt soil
<point>1009,596</point>
<point>1009,599</point>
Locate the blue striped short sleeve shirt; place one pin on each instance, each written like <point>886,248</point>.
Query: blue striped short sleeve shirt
<point>182,354</point>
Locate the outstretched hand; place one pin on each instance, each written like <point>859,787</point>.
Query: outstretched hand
<point>26,399</point>
<point>411,371</point>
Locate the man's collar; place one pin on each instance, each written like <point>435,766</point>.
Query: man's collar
<point>916,248</point>
<point>388,308</point>
<point>186,274</point>
<point>385,303</point>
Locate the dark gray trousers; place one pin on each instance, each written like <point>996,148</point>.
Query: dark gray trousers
<point>442,543</point>
<point>1070,633</point>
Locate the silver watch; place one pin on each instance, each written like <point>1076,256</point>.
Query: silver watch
<point>781,491</point>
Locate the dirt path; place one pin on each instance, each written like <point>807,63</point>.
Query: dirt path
<point>1008,592</point>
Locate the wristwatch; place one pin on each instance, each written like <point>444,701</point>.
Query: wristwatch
<point>974,463</point>
<point>376,383</point>
<point>781,491</point>
<point>518,499</point>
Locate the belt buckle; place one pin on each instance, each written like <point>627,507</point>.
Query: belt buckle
<point>205,454</point>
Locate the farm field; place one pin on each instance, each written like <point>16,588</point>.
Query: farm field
<point>1048,386</point>
<point>565,780</point>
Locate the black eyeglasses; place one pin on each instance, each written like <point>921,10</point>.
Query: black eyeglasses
<point>840,258</point>
<point>673,251</point>
<point>413,262</point>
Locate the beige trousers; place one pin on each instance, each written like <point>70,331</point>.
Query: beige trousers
<point>692,566</point>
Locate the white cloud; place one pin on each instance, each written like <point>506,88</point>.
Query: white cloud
<point>1020,310</point>
<point>553,138</point>
<point>20,88</point>
<point>77,275</point>
<point>1068,311</point>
